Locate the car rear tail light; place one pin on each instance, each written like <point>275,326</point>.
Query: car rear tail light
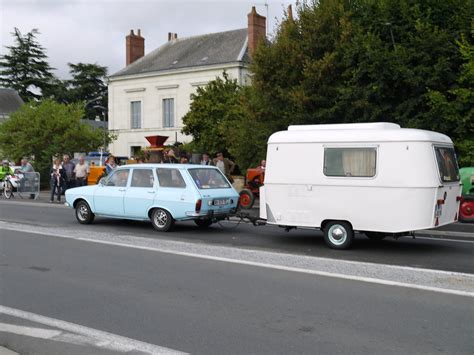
<point>437,222</point>
<point>458,198</point>
<point>456,217</point>
<point>198,205</point>
<point>440,202</point>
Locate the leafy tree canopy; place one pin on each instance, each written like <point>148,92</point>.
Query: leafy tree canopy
<point>25,67</point>
<point>45,129</point>
<point>212,109</point>
<point>366,61</point>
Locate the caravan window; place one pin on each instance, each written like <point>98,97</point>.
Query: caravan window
<point>350,162</point>
<point>447,164</point>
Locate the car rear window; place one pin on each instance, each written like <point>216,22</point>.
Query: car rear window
<point>447,164</point>
<point>208,178</point>
<point>170,178</point>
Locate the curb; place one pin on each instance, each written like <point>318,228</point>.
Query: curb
<point>5,351</point>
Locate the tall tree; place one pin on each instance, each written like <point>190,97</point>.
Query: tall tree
<point>25,67</point>
<point>363,60</point>
<point>88,83</point>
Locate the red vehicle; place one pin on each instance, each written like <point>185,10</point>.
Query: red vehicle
<point>466,208</point>
<point>253,180</point>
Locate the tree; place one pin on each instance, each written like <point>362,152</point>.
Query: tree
<point>213,108</point>
<point>361,61</point>
<point>45,129</point>
<point>25,68</point>
<point>456,106</point>
<point>88,83</point>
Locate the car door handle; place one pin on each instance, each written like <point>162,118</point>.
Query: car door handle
<point>122,190</point>
<point>151,192</point>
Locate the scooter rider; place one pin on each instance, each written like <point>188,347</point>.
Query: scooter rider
<point>5,170</point>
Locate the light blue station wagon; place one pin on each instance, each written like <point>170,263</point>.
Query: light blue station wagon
<point>162,193</point>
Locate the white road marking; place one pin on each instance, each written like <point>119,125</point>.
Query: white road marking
<point>77,334</point>
<point>454,283</point>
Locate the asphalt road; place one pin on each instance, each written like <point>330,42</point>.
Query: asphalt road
<point>116,277</point>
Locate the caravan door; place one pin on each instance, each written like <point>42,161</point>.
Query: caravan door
<point>449,191</point>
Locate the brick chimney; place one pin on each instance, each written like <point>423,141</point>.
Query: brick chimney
<point>172,36</point>
<point>257,30</point>
<point>135,47</point>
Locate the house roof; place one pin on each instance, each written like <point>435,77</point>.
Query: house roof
<point>10,101</point>
<point>198,51</point>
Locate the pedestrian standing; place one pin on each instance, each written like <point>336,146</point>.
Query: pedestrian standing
<point>170,157</point>
<point>82,172</point>
<point>205,160</point>
<point>110,164</point>
<point>58,175</point>
<point>226,166</point>
<point>28,174</point>
<point>68,167</point>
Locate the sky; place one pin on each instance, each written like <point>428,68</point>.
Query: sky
<point>93,31</point>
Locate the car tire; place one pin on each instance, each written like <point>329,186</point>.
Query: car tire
<point>84,214</point>
<point>375,235</point>
<point>8,190</point>
<point>338,234</point>
<point>247,199</point>
<point>203,223</point>
<point>162,220</point>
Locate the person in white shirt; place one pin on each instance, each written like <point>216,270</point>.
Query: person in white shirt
<point>82,172</point>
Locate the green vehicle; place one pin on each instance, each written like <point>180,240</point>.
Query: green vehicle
<point>466,208</point>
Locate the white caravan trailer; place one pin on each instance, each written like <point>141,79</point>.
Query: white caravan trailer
<point>375,178</point>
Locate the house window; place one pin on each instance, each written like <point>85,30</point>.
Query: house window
<point>350,162</point>
<point>136,114</point>
<point>168,112</point>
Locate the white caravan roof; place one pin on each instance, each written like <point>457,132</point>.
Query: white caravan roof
<point>356,132</point>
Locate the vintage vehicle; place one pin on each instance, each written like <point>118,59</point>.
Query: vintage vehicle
<point>375,178</point>
<point>253,181</point>
<point>162,193</point>
<point>466,209</point>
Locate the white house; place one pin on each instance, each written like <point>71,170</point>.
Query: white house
<point>153,92</point>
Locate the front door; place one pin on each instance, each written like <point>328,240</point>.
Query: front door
<point>109,197</point>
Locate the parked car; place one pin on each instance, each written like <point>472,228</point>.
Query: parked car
<point>162,193</point>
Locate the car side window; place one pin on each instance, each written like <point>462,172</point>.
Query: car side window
<point>170,178</point>
<point>118,178</point>
<point>142,178</point>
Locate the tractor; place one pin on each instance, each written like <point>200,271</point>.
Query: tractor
<point>253,180</point>
<point>466,208</point>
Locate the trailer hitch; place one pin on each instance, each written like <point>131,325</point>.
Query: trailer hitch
<point>256,221</point>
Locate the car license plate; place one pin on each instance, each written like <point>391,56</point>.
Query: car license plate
<point>220,201</point>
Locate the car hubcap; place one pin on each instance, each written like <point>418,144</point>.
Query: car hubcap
<point>83,212</point>
<point>337,234</point>
<point>161,218</point>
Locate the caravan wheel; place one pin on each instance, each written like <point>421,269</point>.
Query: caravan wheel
<point>338,234</point>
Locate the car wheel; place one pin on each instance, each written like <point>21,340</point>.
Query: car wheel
<point>203,223</point>
<point>375,235</point>
<point>247,199</point>
<point>161,220</point>
<point>84,214</point>
<point>338,234</point>
<point>8,190</point>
